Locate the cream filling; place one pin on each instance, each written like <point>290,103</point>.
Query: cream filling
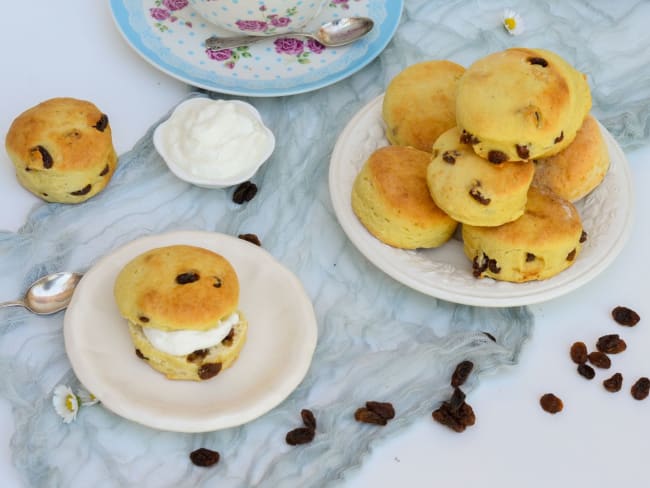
<point>182,342</point>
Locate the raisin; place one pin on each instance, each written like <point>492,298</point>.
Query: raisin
<point>84,191</point>
<point>538,61</point>
<point>138,353</point>
<point>217,282</point>
<point>614,383</point>
<point>457,399</point>
<point>204,457</point>
<point>367,416</point>
<point>625,316</point>
<point>476,194</point>
<point>301,435</point>
<point>143,319</point>
<point>600,360</point>
<point>479,267</point>
<point>497,157</point>
<point>586,371</point>
<point>493,266</point>
<point>244,192</point>
<point>450,156</point>
<point>641,388</point>
<point>559,138</point>
<point>571,256</point>
<point>102,123</point>
<point>209,370</point>
<point>522,151</point>
<point>457,420</point>
<point>227,341</point>
<point>467,138</point>
<point>550,403</point>
<point>46,157</point>
<point>530,257</point>
<point>185,278</point>
<point>105,170</point>
<point>583,237</point>
<point>611,344</point>
<point>197,355</point>
<point>308,418</point>
<point>461,373</point>
<point>383,409</point>
<point>579,353</point>
<point>252,238</point>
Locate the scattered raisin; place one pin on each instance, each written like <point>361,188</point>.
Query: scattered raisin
<point>217,282</point>
<point>227,341</point>
<point>204,457</point>
<point>185,278</point>
<point>550,403</point>
<point>625,316</point>
<point>467,138</point>
<point>611,344</point>
<point>641,388</point>
<point>450,156</point>
<point>559,138</point>
<point>476,194</point>
<point>586,371</point>
<point>105,170</point>
<point>252,238</point>
<point>301,435</point>
<point>102,123</point>
<point>457,420</point>
<point>571,256</point>
<point>383,409</point>
<point>46,157</point>
<point>493,266</point>
<point>138,353</point>
<point>143,318</point>
<point>539,61</point>
<point>579,353</point>
<point>367,416</point>
<point>244,192</point>
<point>308,418</point>
<point>457,399</point>
<point>478,267</point>
<point>84,191</point>
<point>600,360</point>
<point>209,370</point>
<point>497,157</point>
<point>461,373</point>
<point>583,237</point>
<point>197,355</point>
<point>614,383</point>
<point>522,151</point>
<point>530,257</point>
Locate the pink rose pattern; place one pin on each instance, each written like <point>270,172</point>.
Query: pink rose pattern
<point>269,25</point>
<point>344,4</point>
<point>162,12</point>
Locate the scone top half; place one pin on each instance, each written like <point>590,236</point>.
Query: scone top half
<point>177,288</point>
<point>521,104</point>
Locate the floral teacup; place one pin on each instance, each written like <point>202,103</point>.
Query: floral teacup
<point>258,17</point>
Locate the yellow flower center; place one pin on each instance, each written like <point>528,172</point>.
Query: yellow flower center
<point>68,403</point>
<point>510,23</point>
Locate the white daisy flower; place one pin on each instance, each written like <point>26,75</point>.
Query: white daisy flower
<point>65,403</point>
<point>86,398</point>
<point>512,22</point>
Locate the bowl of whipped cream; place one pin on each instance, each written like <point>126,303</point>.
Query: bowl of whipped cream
<point>214,143</point>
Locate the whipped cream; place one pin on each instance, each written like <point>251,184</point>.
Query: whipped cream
<point>182,342</point>
<point>215,138</point>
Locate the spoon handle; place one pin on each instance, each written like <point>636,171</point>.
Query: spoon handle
<point>17,303</point>
<point>216,43</point>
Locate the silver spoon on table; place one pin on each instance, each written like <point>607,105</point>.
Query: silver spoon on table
<point>336,33</point>
<point>48,294</point>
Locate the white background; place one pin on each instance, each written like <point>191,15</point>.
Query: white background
<point>600,439</point>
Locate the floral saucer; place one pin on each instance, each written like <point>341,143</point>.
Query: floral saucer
<point>170,35</point>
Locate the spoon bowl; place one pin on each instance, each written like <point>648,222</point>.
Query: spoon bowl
<point>48,294</point>
<point>336,33</point>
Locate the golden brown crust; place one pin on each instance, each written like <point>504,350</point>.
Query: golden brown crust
<point>420,103</point>
<point>177,287</point>
<point>62,150</point>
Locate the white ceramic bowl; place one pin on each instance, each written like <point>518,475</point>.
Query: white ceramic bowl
<point>258,18</point>
<point>247,170</point>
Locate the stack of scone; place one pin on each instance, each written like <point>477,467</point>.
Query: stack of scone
<point>510,144</point>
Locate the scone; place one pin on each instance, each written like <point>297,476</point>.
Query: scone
<point>521,104</point>
<point>473,191</point>
<point>545,240</point>
<point>391,199</point>
<point>420,103</point>
<point>181,304</point>
<point>580,168</point>
<point>62,150</point>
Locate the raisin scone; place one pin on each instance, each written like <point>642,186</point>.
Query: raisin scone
<point>62,150</point>
<point>391,199</point>
<point>420,103</point>
<point>181,304</point>
<point>473,191</point>
<point>521,104</point>
<point>541,243</point>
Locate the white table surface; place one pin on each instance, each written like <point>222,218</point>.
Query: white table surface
<point>600,439</point>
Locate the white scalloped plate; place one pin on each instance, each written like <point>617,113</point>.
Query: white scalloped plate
<point>445,272</point>
<point>282,335</point>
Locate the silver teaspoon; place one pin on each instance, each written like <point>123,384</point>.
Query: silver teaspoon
<point>332,34</point>
<point>48,294</point>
